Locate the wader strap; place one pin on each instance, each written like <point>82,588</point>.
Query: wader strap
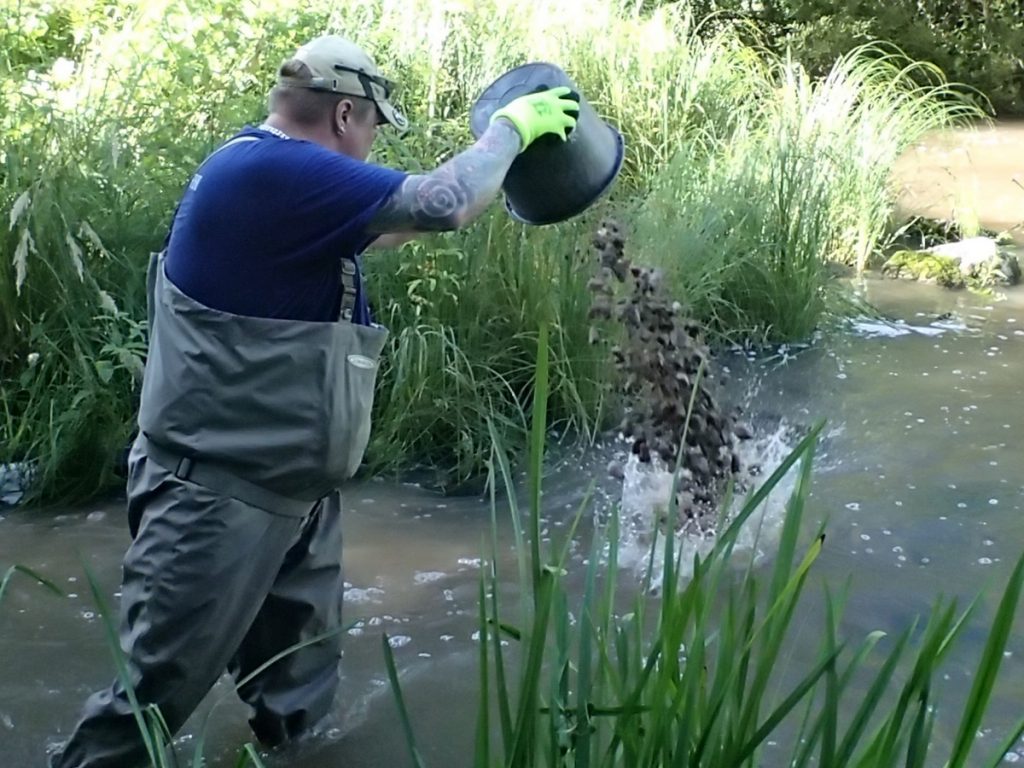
<point>221,481</point>
<point>348,289</point>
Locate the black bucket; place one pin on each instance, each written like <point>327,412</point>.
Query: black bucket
<point>553,180</point>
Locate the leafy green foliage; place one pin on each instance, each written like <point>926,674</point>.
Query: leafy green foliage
<point>976,42</point>
<point>105,111</point>
<point>465,313</point>
<point>97,143</point>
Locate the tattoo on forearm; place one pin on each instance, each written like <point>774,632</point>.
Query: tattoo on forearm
<point>456,191</point>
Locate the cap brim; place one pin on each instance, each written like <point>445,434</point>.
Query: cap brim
<point>392,115</point>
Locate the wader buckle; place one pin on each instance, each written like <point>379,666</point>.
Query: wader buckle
<point>184,468</point>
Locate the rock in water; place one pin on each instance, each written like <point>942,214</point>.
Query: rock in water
<point>977,262</point>
<point>668,378</point>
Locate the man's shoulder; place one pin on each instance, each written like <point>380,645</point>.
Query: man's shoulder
<point>252,156</point>
<point>278,167</point>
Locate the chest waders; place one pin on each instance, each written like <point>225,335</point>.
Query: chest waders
<point>247,428</point>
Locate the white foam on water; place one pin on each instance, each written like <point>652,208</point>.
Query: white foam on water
<point>871,328</point>
<point>647,489</point>
<point>355,595</point>
<point>890,330</point>
<point>428,577</point>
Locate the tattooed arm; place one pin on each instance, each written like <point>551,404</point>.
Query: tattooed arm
<point>457,192</point>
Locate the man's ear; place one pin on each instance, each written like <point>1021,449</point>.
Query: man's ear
<point>342,115</point>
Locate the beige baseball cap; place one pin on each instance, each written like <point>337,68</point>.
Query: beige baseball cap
<point>341,66</point>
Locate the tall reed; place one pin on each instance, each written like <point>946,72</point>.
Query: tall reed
<point>693,677</point>
<point>87,185</point>
<point>746,225</point>
<point>758,175</point>
<point>465,312</point>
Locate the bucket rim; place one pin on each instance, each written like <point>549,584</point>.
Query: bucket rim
<point>525,65</point>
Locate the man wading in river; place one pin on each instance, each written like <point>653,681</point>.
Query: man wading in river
<point>257,395</point>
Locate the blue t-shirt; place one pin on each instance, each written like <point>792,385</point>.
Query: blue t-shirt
<point>264,225</point>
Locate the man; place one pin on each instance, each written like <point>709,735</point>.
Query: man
<point>257,395</point>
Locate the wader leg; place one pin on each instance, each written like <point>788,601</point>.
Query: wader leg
<point>305,601</point>
<point>194,578</point>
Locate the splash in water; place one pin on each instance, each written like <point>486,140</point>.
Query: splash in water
<point>644,509</point>
<point>674,418</point>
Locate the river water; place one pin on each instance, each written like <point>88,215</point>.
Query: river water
<point>920,476</point>
<point>968,174</point>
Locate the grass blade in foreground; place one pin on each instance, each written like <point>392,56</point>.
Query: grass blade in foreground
<point>403,713</point>
<point>156,734</point>
<point>249,756</point>
<point>482,746</point>
<point>41,580</point>
<point>197,759</point>
<point>649,689</point>
<point>1007,746</point>
<point>538,435</point>
<point>988,668</point>
<point>155,741</point>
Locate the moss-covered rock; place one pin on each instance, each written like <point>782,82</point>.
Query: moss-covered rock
<point>926,267</point>
<point>981,263</point>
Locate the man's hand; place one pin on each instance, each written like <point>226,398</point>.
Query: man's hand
<point>536,114</point>
<point>453,195</point>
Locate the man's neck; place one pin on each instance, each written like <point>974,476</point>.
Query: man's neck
<point>295,131</point>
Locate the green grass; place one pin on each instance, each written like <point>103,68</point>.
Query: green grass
<point>746,225</point>
<point>692,678</point>
<point>14,570</point>
<point>742,177</point>
<point>465,312</point>
<point>97,142</point>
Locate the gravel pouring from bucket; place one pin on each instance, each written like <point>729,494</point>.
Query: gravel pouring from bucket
<point>552,180</point>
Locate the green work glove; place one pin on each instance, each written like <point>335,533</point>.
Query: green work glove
<point>535,114</point>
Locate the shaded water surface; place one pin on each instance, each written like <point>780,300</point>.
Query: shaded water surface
<point>920,475</point>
